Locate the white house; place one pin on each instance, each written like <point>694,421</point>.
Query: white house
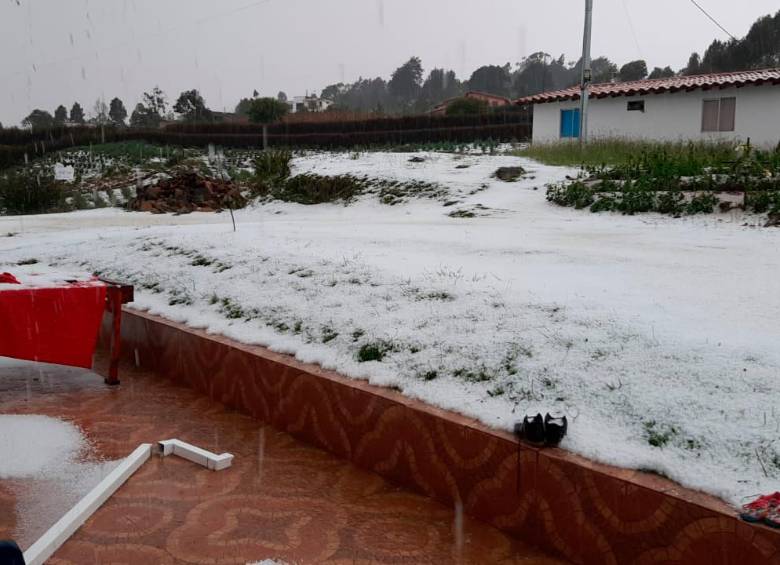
<point>308,104</point>
<point>724,106</point>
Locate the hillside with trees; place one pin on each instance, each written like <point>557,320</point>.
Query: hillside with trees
<point>408,92</point>
<point>759,49</point>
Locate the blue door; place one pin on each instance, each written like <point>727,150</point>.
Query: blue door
<point>570,123</point>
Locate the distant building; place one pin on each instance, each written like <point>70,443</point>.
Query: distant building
<point>712,107</point>
<point>492,100</point>
<point>308,104</point>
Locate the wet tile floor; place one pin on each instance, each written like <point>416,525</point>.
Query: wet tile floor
<point>281,499</point>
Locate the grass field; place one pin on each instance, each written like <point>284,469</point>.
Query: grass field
<point>610,152</point>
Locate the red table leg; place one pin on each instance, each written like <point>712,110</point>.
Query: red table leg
<point>115,304</point>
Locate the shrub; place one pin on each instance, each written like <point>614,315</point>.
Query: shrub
<point>316,189</point>
<point>466,107</point>
<point>604,203</point>
<point>266,110</point>
<point>671,202</point>
<point>763,201</point>
<point>28,193</point>
<point>637,198</point>
<point>702,203</point>
<point>575,194</point>
<point>272,165</point>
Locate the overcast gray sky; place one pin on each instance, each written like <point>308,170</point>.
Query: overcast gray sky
<point>58,51</point>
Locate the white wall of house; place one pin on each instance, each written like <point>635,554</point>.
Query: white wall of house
<point>671,116</point>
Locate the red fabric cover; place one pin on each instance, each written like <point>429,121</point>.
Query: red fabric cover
<point>53,325</point>
<point>8,278</point>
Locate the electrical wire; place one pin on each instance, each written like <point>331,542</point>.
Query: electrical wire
<point>713,20</point>
<point>633,31</point>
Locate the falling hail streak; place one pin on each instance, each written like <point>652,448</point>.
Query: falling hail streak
<point>260,454</point>
<point>458,530</point>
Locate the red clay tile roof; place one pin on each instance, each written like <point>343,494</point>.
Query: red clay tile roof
<point>657,86</point>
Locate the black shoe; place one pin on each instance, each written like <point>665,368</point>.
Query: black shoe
<point>10,554</point>
<point>555,429</point>
<point>531,429</point>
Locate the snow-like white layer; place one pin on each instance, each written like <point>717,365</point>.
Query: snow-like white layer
<point>656,336</point>
<point>46,461</point>
<point>33,444</point>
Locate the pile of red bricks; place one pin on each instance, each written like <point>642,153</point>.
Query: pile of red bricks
<point>185,193</point>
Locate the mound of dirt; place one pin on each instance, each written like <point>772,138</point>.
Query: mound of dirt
<point>185,193</point>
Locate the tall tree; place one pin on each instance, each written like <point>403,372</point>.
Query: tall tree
<point>266,110</point>
<point>151,110</point>
<point>282,96</point>
<point>192,108</point>
<point>364,95</point>
<point>156,102</point>
<point>658,72</point>
<point>634,70</point>
<point>143,117</point>
<point>39,119</point>
<point>602,70</point>
<point>759,49</point>
<point>491,79</point>
<point>540,72</point>
<point>100,113</point>
<point>117,112</point>
<point>333,91</point>
<point>440,85</point>
<point>60,115</point>
<point>405,84</point>
<point>242,108</point>
<point>76,113</point>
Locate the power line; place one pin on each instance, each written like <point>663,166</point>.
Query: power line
<point>703,11</point>
<point>633,31</point>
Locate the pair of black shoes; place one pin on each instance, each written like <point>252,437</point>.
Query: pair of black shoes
<point>548,431</point>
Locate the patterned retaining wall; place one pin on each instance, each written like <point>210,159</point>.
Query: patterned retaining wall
<point>567,505</point>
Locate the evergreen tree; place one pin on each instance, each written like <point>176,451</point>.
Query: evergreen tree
<point>266,110</point>
<point>38,119</point>
<point>77,113</point>
<point>117,112</point>
<point>602,70</point>
<point>242,108</point>
<point>439,86</point>
<point>60,115</point>
<point>405,84</point>
<point>143,117</point>
<point>658,72</point>
<point>634,70</point>
<point>192,108</point>
<point>282,96</point>
<point>491,79</point>
<point>759,49</point>
<point>333,91</point>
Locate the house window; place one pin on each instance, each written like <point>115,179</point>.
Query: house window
<point>570,123</point>
<point>636,106</point>
<point>718,114</point>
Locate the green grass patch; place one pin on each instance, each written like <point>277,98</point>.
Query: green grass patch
<point>615,152</point>
<point>374,351</point>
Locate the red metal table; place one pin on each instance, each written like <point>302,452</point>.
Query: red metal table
<point>58,321</point>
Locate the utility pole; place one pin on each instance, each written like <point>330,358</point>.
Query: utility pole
<point>587,75</point>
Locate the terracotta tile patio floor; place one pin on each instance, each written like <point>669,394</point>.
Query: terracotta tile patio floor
<point>281,499</point>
